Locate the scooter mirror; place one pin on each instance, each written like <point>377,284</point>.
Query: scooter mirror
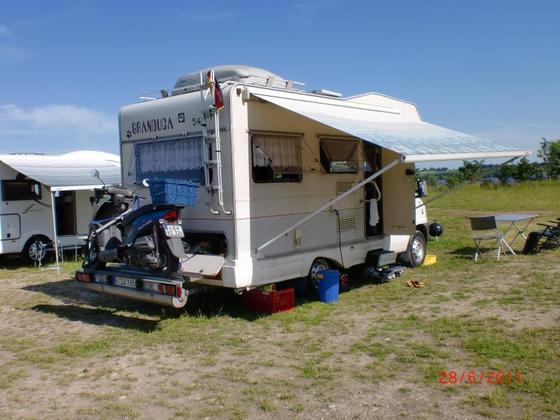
<point>95,173</point>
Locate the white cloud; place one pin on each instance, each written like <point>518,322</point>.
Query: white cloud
<point>55,119</point>
<point>12,54</point>
<point>56,128</point>
<point>5,31</point>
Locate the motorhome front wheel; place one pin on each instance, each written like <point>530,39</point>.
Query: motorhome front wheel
<point>416,251</point>
<point>319,264</point>
<point>35,250</point>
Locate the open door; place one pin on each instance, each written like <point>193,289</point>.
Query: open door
<point>65,207</point>
<point>373,191</point>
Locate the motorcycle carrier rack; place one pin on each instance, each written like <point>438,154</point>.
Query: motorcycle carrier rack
<point>137,285</point>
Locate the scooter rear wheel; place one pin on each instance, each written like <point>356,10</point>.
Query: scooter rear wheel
<point>169,263</point>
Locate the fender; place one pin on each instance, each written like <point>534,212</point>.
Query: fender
<point>176,247</point>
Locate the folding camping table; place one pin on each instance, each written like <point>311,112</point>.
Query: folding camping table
<point>518,224</point>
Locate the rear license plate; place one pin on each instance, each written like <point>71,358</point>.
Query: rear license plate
<point>173,231</point>
<point>124,282</point>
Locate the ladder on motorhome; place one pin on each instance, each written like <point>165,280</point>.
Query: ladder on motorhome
<point>211,144</point>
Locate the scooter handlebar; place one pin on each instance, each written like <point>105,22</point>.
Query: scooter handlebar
<point>120,191</point>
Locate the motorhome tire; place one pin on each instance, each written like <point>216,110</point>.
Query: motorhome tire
<point>416,251</point>
<point>319,264</point>
<point>35,249</point>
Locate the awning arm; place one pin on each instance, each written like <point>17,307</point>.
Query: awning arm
<point>330,203</point>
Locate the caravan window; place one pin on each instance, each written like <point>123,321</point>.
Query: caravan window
<point>14,190</point>
<point>276,158</point>
<point>170,159</point>
<point>339,155</point>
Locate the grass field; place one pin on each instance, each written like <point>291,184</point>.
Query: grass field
<point>378,353</point>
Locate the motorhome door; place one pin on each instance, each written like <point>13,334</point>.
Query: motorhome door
<point>65,207</point>
<point>373,191</point>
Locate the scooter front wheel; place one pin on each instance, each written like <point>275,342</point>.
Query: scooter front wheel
<point>92,253</point>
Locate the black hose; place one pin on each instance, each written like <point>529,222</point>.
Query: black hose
<point>339,236</point>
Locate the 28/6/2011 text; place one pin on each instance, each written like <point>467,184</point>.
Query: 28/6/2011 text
<point>492,377</point>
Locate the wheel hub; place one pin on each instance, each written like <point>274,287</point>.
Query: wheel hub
<point>37,251</point>
<point>417,250</point>
<point>315,269</point>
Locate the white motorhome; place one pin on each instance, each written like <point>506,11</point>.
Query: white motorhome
<point>29,183</point>
<point>292,182</point>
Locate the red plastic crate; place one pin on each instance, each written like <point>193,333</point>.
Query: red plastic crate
<point>270,302</point>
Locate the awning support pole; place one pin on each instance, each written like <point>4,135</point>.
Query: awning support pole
<point>53,207</point>
<point>330,203</point>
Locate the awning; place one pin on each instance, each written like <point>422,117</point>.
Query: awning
<point>70,172</point>
<point>416,141</point>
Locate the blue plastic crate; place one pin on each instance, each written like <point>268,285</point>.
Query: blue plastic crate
<point>173,191</point>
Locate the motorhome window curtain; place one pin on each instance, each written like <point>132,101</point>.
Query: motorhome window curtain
<point>281,153</point>
<point>174,159</point>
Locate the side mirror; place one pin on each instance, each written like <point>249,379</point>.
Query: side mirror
<point>95,174</point>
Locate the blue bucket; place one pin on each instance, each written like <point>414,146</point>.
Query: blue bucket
<point>328,285</point>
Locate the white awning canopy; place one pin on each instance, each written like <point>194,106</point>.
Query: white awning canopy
<point>415,141</point>
<point>68,172</point>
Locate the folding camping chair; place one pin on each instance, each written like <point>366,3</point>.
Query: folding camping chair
<point>485,229</point>
<point>549,237</point>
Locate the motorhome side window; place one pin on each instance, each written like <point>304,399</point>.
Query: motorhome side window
<point>14,190</point>
<point>276,158</point>
<point>170,159</point>
<point>339,155</point>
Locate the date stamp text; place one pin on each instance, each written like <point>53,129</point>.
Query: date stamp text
<point>491,377</point>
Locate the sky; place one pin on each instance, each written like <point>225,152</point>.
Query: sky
<point>485,67</point>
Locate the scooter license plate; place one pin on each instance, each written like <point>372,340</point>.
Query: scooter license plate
<point>173,231</point>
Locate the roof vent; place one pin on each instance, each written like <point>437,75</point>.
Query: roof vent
<point>325,92</point>
<point>234,73</point>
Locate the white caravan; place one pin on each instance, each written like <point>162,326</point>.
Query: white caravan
<point>292,182</point>
<point>28,183</point>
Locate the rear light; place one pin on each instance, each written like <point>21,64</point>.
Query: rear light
<point>84,277</point>
<point>170,216</point>
<point>170,290</point>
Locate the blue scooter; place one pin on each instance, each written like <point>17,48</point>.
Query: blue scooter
<point>149,237</point>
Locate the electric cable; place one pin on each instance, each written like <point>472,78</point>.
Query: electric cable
<point>339,236</point>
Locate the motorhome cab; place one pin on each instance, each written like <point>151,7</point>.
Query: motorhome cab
<point>292,182</point>
<point>31,183</point>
